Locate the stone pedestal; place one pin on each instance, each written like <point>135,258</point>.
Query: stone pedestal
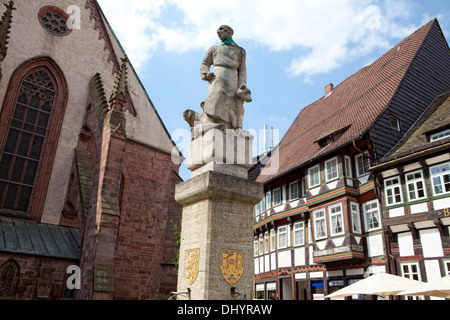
<point>216,251</point>
<point>228,152</point>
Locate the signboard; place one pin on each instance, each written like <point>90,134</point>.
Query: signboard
<point>336,283</point>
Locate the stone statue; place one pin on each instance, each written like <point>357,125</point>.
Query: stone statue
<point>224,106</point>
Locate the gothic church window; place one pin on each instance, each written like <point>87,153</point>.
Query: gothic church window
<point>23,148</point>
<point>54,20</point>
<point>8,275</point>
<point>30,125</point>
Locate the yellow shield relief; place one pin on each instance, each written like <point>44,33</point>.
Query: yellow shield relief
<point>232,265</point>
<point>192,265</point>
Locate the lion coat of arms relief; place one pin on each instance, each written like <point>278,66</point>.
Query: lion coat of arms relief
<point>192,266</point>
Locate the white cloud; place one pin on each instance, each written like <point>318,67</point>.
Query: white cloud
<point>330,31</point>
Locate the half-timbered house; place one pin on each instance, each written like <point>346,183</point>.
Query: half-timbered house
<point>414,185</point>
<point>319,226</point>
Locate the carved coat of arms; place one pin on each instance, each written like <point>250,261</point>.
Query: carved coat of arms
<point>192,264</point>
<point>232,265</point>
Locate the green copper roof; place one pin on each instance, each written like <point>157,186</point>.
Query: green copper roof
<point>31,238</point>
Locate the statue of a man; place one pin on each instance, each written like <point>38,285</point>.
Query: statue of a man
<point>224,106</point>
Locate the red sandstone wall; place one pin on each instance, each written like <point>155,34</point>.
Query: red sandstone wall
<point>146,243</point>
<point>48,276</point>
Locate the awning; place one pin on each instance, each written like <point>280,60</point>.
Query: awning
<point>380,284</point>
<point>436,288</point>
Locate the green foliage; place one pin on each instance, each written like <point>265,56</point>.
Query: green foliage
<point>177,232</point>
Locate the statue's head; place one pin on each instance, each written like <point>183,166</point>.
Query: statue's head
<point>225,32</point>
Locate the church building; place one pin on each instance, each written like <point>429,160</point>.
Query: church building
<point>86,173</point>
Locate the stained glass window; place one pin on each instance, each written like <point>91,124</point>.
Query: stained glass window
<point>26,136</point>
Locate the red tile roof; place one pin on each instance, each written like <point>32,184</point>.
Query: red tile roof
<point>354,104</point>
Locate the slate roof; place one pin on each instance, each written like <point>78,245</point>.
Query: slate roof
<point>20,236</point>
<point>416,141</point>
<point>351,109</point>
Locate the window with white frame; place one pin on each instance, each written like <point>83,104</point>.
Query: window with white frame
<point>268,200</point>
<point>282,237</point>
<point>303,187</point>
<point>309,235</point>
<point>411,271</point>
<point>331,169</point>
<point>277,197</point>
<point>440,135</point>
<point>348,167</point>
<point>447,267</point>
<point>393,191</point>
<point>314,176</point>
<point>395,123</point>
<point>261,244</point>
<point>266,242</point>
<point>262,205</point>
<point>415,185</point>
<point>257,210</point>
<point>299,234</point>
<point>293,191</point>
<point>356,218</point>
<point>337,220</point>
<point>272,240</point>
<point>256,247</point>
<point>372,215</point>
<point>362,164</point>
<point>440,177</point>
<point>320,225</point>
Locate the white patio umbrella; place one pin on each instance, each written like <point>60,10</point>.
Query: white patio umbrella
<point>436,288</point>
<point>380,284</point>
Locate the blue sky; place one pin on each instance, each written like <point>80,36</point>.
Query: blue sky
<point>294,48</point>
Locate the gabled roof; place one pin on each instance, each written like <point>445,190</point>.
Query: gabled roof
<point>416,142</point>
<point>436,117</point>
<point>350,110</point>
<point>107,33</point>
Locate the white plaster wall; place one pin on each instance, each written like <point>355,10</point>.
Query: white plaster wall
<point>284,259</point>
<point>256,266</point>
<point>406,244</point>
<point>311,256</point>
<point>273,261</point>
<point>397,212</point>
<point>419,208</point>
<point>375,245</point>
<point>266,263</point>
<point>441,204</point>
<point>432,269</point>
<point>300,257</point>
<point>431,243</point>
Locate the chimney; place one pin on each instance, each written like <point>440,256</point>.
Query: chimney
<point>329,89</point>
<point>265,139</point>
<point>271,139</point>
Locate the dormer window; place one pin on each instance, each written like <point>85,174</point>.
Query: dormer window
<point>325,142</point>
<point>395,123</point>
<point>440,135</point>
<point>327,139</point>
